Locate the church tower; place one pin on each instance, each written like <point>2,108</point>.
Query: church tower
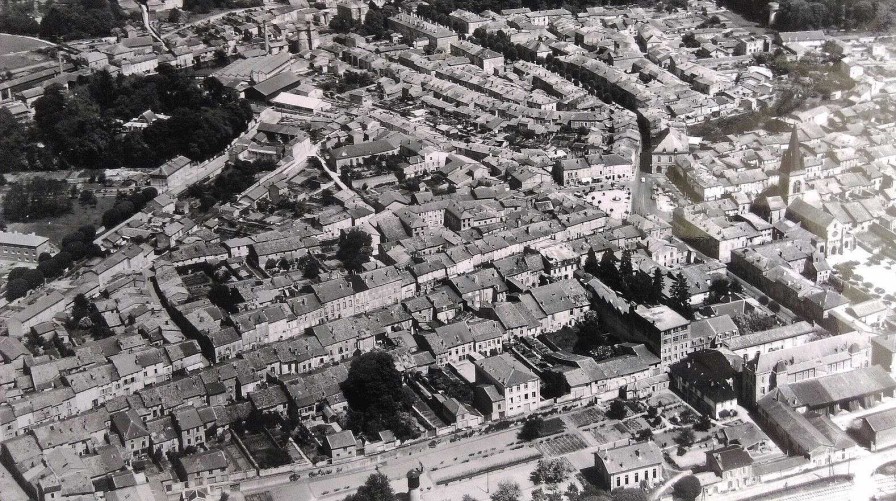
<point>792,172</point>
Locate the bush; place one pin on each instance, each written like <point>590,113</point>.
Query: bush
<point>688,488</point>
<point>532,428</point>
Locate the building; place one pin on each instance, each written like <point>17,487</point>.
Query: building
<point>341,445</point>
<point>23,248</point>
<point>413,27</point>
<point>629,466</point>
<point>505,387</point>
<point>878,430</point>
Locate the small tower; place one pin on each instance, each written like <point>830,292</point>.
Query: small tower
<point>792,180</point>
<point>414,485</point>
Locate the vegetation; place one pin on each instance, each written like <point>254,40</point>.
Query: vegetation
<point>532,428</point>
<point>375,22</point>
<point>507,491</point>
<point>374,391</point>
<point>81,19</point>
<point>75,246</point>
<point>551,471</point>
<point>354,250</point>
<point>376,488</point>
<point>234,179</point>
<point>35,199</point>
<point>688,488</point>
<point>128,205</point>
<point>82,129</point>
<point>619,274</point>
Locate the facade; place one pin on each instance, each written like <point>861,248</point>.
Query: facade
<point>631,466</point>
<point>23,248</point>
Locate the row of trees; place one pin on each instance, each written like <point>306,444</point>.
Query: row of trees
<point>36,198</point>
<point>128,205</point>
<point>75,246</point>
<point>636,285</point>
<point>236,178</point>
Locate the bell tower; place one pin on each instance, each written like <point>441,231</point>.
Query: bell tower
<point>792,179</point>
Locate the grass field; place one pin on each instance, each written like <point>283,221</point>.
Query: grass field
<point>10,44</point>
<point>57,227</point>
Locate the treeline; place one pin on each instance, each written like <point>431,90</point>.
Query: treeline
<point>36,199</point>
<point>375,22</point>
<point>800,15</point>
<point>81,19</point>
<point>82,129</point>
<point>75,246</point>
<point>128,205</point>
<point>236,178</point>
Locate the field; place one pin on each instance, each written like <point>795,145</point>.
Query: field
<point>562,444</point>
<point>586,417</point>
<point>10,44</point>
<point>264,451</point>
<point>57,227</point>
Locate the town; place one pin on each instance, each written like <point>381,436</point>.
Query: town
<point>447,250</point>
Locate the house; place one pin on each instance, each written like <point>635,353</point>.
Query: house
<point>706,380</point>
<point>518,390</point>
<point>203,468</point>
<point>190,427</point>
<point>629,466</point>
<point>132,430</point>
<point>341,445</point>
<point>734,467</point>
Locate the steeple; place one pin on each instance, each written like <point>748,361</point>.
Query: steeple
<point>792,171</point>
<point>792,161</point>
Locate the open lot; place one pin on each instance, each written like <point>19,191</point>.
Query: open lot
<point>58,227</point>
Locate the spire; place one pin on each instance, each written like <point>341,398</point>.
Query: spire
<point>792,161</point>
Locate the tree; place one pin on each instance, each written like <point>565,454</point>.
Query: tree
<point>774,307</point>
<point>507,491</point>
<point>704,423</point>
<point>591,265</point>
<point>657,285</point>
<point>34,278</point>
<point>607,269</point>
<point>685,437</point>
<point>224,297</point>
<point>13,142</point>
<point>310,266</point>
<point>354,249</point>
<point>532,428</point>
<point>688,488</point>
<point>718,289</point>
<point>376,488</point>
<point>681,293</point>
<point>16,288</point>
<point>617,410</point>
<point>625,264</point>
<point>551,471</point>
<point>374,392</point>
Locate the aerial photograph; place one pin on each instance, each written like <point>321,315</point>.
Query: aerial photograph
<point>447,250</point>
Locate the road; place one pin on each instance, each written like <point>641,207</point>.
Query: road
<point>642,203</point>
